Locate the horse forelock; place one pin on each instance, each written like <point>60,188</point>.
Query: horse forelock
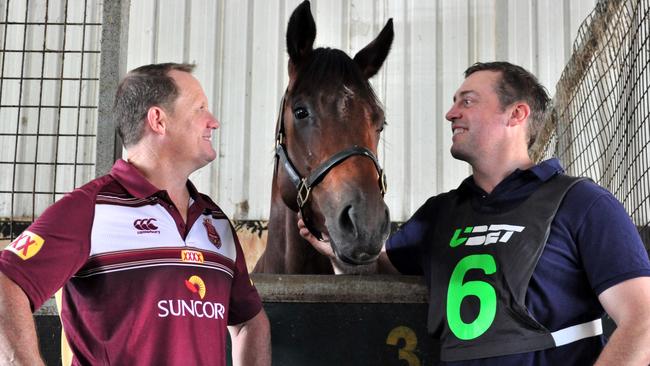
<point>331,73</point>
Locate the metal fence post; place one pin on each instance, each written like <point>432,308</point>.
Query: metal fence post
<point>115,26</point>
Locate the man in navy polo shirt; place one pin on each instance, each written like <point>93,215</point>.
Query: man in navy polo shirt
<point>152,271</point>
<point>521,260</point>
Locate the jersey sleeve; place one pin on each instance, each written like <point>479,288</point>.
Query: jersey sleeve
<point>42,258</point>
<point>608,241</point>
<point>245,302</point>
<point>407,246</point>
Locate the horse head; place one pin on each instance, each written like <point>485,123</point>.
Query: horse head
<point>326,142</point>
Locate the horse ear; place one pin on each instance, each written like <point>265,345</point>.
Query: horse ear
<point>371,57</point>
<point>301,33</point>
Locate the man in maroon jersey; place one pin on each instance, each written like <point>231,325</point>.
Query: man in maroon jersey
<point>151,270</point>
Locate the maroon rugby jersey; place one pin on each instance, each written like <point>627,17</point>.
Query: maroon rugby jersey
<point>140,287</point>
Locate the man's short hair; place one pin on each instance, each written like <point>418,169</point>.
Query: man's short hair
<point>142,88</point>
<point>517,84</point>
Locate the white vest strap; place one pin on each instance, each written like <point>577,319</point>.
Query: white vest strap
<point>577,332</point>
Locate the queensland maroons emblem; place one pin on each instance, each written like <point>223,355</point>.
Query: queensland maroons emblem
<point>213,236</point>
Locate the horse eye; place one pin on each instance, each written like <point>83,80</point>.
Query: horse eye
<point>300,113</point>
<point>381,128</point>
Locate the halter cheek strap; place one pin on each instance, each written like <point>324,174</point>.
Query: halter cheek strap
<point>305,185</point>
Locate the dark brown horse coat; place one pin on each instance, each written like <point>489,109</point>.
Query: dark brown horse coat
<point>328,131</point>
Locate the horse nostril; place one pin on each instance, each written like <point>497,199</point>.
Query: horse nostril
<point>346,221</point>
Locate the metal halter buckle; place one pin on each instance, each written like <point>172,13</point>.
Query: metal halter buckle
<point>383,185</point>
<point>303,193</point>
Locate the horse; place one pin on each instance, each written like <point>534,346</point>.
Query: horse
<point>326,167</point>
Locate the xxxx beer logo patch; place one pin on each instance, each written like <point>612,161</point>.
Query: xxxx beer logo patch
<point>213,236</point>
<point>192,256</point>
<point>26,245</point>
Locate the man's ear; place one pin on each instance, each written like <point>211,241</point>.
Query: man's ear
<point>519,114</point>
<point>157,120</point>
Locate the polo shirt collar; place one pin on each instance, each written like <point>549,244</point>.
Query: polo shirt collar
<point>138,186</point>
<point>132,180</point>
<point>547,169</point>
<point>542,172</point>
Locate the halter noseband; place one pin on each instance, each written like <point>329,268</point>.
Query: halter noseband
<point>304,185</point>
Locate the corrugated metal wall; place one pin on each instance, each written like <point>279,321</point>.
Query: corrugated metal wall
<point>239,47</point>
<point>240,51</point>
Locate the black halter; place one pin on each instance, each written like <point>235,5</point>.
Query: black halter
<point>304,185</point>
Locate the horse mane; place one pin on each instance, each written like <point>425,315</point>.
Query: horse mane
<point>335,73</point>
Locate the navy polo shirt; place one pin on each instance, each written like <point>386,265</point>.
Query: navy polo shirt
<point>592,246</point>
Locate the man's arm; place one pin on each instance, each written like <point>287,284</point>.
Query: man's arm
<point>628,303</point>
<point>18,341</point>
<point>251,341</point>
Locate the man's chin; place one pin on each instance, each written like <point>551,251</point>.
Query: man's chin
<point>210,157</point>
<point>459,154</point>
<point>205,160</point>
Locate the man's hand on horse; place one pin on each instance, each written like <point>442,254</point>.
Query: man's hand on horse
<point>382,265</point>
<point>323,247</point>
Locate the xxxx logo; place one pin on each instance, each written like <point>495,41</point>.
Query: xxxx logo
<point>26,245</point>
<point>191,256</point>
<point>484,234</point>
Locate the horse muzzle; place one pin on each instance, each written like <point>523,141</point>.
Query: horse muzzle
<point>359,232</point>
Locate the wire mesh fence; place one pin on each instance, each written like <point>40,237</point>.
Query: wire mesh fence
<point>49,83</point>
<point>599,123</point>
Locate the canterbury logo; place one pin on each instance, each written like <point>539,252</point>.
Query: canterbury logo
<point>146,225</point>
<point>484,235</point>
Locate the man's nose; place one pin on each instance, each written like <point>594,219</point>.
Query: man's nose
<point>214,122</point>
<point>452,114</point>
